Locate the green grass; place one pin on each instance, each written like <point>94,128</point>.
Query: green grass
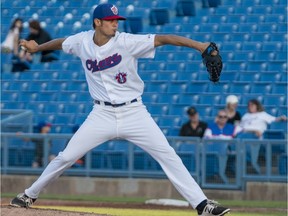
<point>247,204</point>
<point>234,203</point>
<point>146,212</point>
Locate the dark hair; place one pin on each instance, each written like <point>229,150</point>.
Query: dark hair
<point>259,106</point>
<point>13,25</point>
<point>35,25</point>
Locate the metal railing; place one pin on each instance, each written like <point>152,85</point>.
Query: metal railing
<point>211,167</point>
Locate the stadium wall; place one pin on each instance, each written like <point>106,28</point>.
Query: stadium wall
<point>149,188</point>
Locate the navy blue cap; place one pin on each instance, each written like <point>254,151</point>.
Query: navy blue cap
<point>107,12</point>
<point>43,124</point>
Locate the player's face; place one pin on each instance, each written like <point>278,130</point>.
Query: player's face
<point>108,27</point>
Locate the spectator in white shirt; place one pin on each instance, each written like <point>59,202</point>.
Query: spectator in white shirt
<point>254,123</point>
<point>256,119</point>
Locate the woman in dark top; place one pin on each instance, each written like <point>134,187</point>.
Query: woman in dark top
<point>234,116</point>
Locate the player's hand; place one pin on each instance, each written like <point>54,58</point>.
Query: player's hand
<point>29,46</point>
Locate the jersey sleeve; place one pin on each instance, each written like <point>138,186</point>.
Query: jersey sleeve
<point>72,44</point>
<point>140,46</point>
<point>268,118</point>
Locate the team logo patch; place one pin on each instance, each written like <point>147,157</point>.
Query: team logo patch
<point>114,10</point>
<point>121,77</point>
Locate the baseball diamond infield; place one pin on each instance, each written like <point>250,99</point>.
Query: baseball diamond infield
<point>40,209</point>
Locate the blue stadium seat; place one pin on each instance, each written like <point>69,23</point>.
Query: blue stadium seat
<point>210,99</point>
<point>142,160</point>
<point>187,76</point>
<point>84,96</point>
<point>58,145</point>
<point>189,98</point>
<point>220,87</point>
<point>249,76</point>
<point>279,88</point>
<point>157,86</point>
<point>172,121</point>
<point>185,8</point>
<point>282,125</point>
<point>158,16</point>
<point>149,97</point>
<point>56,107</point>
<point>28,96</point>
<point>282,164</point>
<point>240,87</point>
<point>277,66</point>
<point>272,46</point>
<point>187,154</point>
<point>179,109</point>
<point>197,87</point>
<point>148,75</point>
<point>276,100</point>
<point>247,97</point>
<point>158,109</point>
<point>274,134</point>
<point>216,155</point>
<point>65,96</point>
<point>77,86</point>
<point>259,87</point>
<point>177,87</point>
<point>270,76</point>
<point>168,98</point>
<point>36,107</point>
<point>118,155</point>
<point>133,24</point>
<point>99,156</point>
<point>167,75</point>
<point>47,96</point>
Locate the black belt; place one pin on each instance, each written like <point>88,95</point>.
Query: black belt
<point>114,105</point>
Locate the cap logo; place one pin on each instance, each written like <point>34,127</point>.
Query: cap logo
<point>114,10</point>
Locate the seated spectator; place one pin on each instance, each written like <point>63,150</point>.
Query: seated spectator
<point>43,128</point>
<point>221,129</point>
<point>10,48</point>
<point>40,36</point>
<point>254,123</point>
<point>80,162</point>
<point>10,44</point>
<point>256,120</point>
<point>234,116</point>
<point>194,127</point>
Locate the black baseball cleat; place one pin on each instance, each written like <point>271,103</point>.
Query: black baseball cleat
<point>212,208</point>
<point>22,200</point>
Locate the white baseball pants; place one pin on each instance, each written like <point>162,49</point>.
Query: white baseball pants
<point>133,123</point>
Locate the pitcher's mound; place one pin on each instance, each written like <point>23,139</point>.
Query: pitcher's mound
<point>12,211</point>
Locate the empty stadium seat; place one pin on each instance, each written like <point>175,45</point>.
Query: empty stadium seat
<point>187,154</point>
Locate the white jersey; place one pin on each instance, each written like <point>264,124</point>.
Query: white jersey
<point>111,69</point>
<point>256,121</point>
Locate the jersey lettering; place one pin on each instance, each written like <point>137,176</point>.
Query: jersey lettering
<point>106,63</point>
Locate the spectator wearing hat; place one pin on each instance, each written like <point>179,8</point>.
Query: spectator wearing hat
<point>194,127</point>
<point>42,128</point>
<point>234,117</point>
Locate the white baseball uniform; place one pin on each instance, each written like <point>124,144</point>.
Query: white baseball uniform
<point>111,73</point>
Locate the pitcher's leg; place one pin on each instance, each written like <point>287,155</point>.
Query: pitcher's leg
<point>95,130</point>
<point>147,135</point>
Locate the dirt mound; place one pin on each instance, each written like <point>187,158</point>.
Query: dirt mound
<point>12,211</point>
